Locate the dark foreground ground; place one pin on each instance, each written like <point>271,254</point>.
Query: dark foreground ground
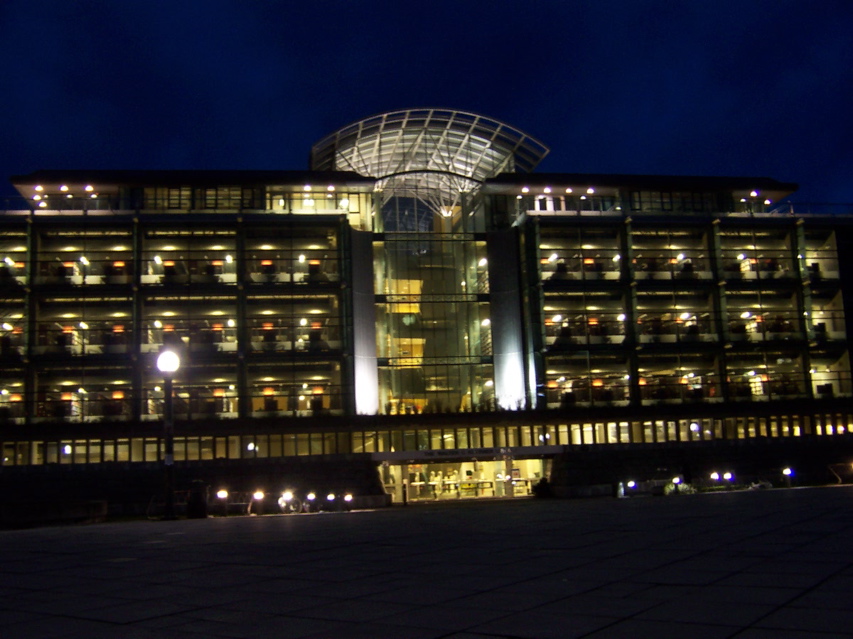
<point>765,564</point>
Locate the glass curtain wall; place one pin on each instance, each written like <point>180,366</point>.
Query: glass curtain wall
<point>433,325</point>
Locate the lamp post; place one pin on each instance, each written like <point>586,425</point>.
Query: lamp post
<point>168,363</point>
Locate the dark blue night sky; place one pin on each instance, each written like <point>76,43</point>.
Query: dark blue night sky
<point>729,87</point>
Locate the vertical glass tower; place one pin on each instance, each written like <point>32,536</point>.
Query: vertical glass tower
<point>427,338</point>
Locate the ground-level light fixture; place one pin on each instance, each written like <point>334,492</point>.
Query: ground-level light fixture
<point>222,494</point>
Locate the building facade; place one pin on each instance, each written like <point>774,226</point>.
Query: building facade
<point>421,304</point>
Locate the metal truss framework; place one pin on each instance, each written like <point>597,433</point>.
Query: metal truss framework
<point>429,154</point>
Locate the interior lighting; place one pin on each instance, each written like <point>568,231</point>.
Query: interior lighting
<point>525,190</point>
<point>767,202</point>
<point>158,259</point>
<point>39,188</point>
<point>745,315</point>
<point>307,187</point>
<point>569,190</point>
<point>42,204</point>
<point>553,257</point>
<point>89,188</point>
<point>590,191</point>
<point>63,188</point>
<point>83,325</point>
<point>330,188</point>
<point>753,194</point>
<point>621,317</point>
<point>486,322</point>
<point>547,189</point>
<point>37,197</point>
<point>483,261</point>
<point>344,204</point>
<point>84,260</point>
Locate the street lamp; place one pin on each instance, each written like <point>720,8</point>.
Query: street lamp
<point>168,363</point>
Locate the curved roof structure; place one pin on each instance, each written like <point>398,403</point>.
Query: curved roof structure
<point>437,141</point>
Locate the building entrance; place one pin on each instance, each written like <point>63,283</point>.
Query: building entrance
<point>465,479</point>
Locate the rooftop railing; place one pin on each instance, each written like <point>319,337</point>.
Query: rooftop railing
<point>105,206</point>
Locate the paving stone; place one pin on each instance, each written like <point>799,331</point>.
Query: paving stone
<point>599,568</point>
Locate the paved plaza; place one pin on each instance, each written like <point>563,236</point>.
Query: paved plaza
<point>773,564</point>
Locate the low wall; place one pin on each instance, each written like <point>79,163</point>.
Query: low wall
<point>43,513</point>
